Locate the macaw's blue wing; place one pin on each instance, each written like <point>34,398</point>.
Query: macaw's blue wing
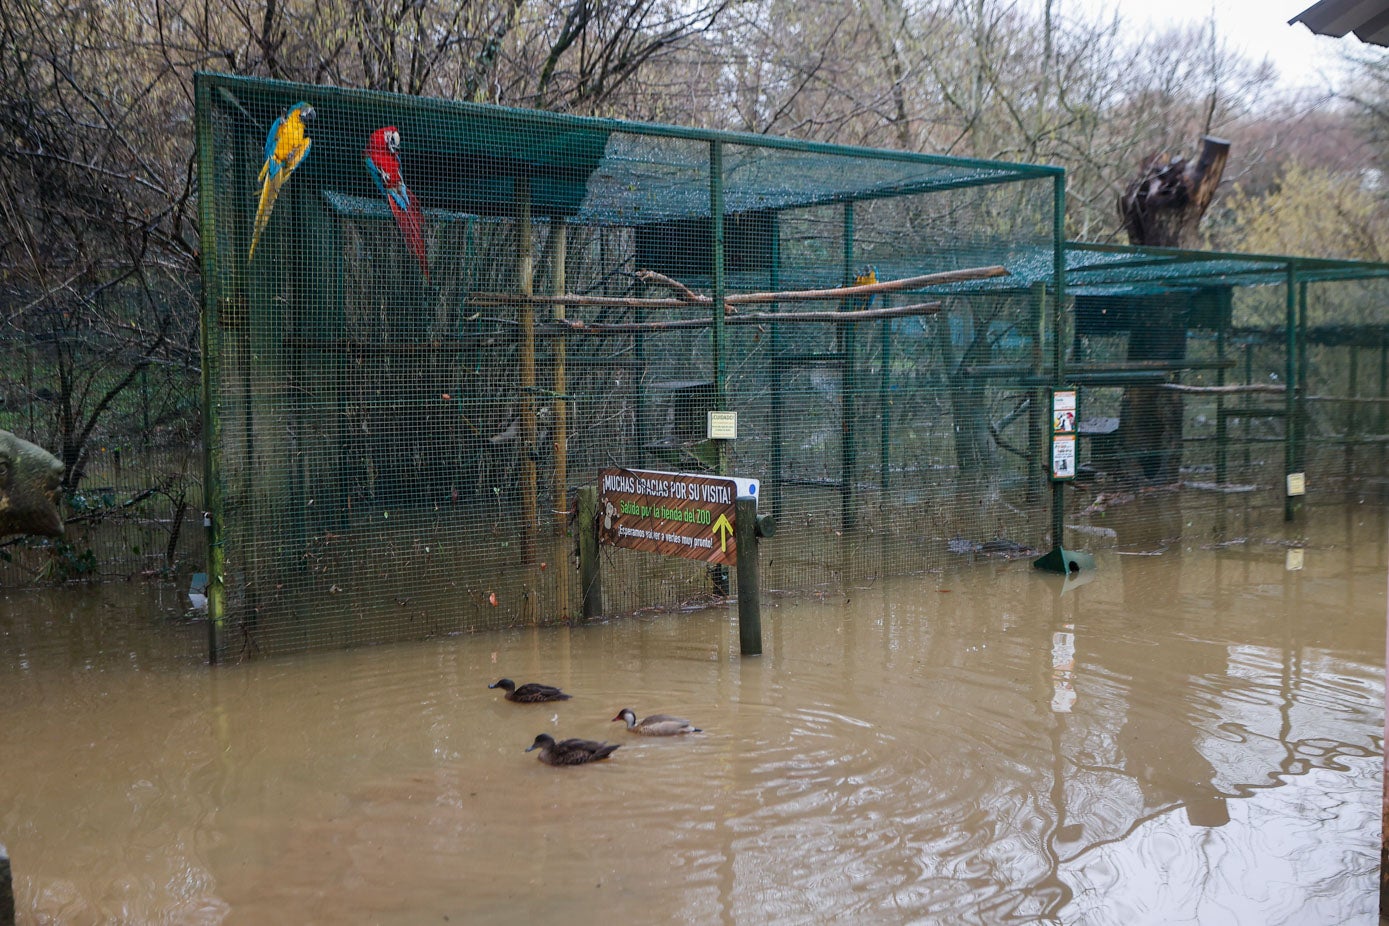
<point>271,165</point>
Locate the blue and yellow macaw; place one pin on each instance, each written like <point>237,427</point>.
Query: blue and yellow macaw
<point>286,146</point>
<point>867,276</point>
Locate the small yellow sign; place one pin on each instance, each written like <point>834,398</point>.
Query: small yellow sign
<point>723,425</point>
<point>1293,561</point>
<point>1297,484</point>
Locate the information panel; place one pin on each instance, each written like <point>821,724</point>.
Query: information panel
<point>675,514</point>
<point>1063,434</point>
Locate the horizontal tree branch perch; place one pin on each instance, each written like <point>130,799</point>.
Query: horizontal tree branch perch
<point>692,298</point>
<point>682,292</point>
<point>1224,390</point>
<point>752,318</point>
<point>1127,366</point>
<point>1351,399</point>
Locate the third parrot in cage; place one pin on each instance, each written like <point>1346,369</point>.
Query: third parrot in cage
<point>866,277</point>
<point>286,146</point>
<point>383,162</point>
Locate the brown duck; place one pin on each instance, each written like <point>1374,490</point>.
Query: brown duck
<point>570,752</point>
<point>656,724</point>
<point>529,693</point>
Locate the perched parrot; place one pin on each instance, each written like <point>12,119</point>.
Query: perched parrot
<point>285,148</point>
<point>867,276</point>
<point>384,165</point>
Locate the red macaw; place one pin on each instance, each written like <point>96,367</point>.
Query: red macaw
<point>384,165</point>
<point>286,146</point>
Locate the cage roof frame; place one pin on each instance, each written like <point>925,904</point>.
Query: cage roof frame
<point>562,154</point>
<point>1167,269</point>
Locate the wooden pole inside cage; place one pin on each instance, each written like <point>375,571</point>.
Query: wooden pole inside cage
<point>559,240</point>
<point>525,272</point>
<point>590,577</point>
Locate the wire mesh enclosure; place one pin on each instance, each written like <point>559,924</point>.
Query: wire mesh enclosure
<point>427,324</point>
<point>1269,366</point>
<point>103,377</point>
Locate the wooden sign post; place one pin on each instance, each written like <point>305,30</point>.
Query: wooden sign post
<point>675,514</point>
<point>690,515</point>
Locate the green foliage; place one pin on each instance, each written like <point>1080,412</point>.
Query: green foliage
<point>1311,211</point>
<point>68,563</point>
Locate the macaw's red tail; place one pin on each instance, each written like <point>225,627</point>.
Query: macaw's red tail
<point>411,223</point>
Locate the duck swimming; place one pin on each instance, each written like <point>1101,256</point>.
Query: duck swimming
<point>529,693</point>
<point>656,724</point>
<point>570,752</point>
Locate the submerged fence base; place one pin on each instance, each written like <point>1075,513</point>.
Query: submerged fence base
<point>1064,561</point>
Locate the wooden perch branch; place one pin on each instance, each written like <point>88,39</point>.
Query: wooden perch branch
<point>682,292</point>
<point>751,318</point>
<point>686,297</point>
<point>1225,390</point>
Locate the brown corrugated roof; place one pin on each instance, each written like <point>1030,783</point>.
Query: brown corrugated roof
<point>1368,19</point>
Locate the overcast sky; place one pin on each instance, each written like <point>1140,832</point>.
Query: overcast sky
<point>1256,27</point>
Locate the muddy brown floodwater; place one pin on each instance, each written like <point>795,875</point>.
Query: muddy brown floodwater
<point>1192,736</point>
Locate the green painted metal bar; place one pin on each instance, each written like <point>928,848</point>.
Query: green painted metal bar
<point>1290,381</point>
<point>718,334</point>
<point>1300,434</point>
<point>1383,394</point>
<point>214,496</point>
<point>848,457</point>
<point>1058,353</point>
<point>773,481</point>
<point>1277,263</point>
<point>1352,413</point>
<point>718,290</point>
<point>554,122</point>
<point>885,409</point>
<point>1248,379</point>
<point>641,399</point>
<point>1222,469</point>
<point>1037,432</point>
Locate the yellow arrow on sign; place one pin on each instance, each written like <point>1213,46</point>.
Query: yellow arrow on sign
<point>721,526</point>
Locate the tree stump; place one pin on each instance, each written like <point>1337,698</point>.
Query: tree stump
<point>1163,207</point>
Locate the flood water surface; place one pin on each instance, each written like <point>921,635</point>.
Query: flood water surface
<point>1192,736</point>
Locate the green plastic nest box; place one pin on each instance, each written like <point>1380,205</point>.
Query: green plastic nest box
<point>1064,561</point>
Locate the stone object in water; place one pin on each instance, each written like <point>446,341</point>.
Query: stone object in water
<point>6,889</point>
<point>29,481</point>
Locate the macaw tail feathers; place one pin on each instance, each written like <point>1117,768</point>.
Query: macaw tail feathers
<point>268,192</point>
<point>413,230</point>
<point>411,224</point>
